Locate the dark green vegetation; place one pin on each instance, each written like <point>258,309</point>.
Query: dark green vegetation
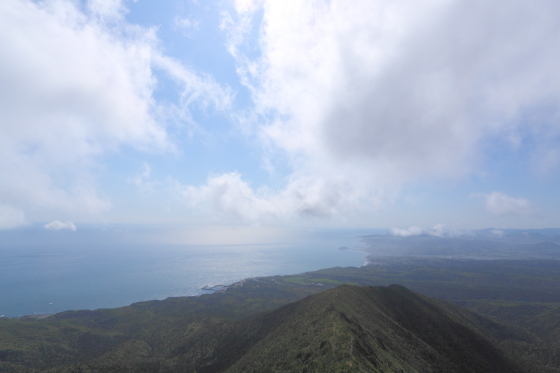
<point>344,329</point>
<point>375,329</point>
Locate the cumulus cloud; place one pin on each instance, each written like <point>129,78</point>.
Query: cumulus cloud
<point>77,83</point>
<point>389,92</point>
<point>58,225</point>
<point>501,204</point>
<point>229,196</point>
<point>438,230</point>
<point>412,231</point>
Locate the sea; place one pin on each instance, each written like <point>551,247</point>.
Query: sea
<point>46,272</point>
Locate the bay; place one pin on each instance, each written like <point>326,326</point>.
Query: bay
<point>46,276</point>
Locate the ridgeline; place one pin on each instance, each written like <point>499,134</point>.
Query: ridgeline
<point>333,320</point>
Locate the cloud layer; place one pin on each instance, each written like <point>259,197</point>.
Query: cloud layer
<point>77,84</point>
<point>382,94</point>
<point>351,104</point>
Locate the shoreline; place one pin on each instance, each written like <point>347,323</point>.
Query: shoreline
<point>223,288</point>
<point>199,291</point>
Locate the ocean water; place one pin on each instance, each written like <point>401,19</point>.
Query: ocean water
<point>50,272</point>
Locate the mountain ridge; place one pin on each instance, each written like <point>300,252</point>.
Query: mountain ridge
<point>223,331</point>
<point>374,329</point>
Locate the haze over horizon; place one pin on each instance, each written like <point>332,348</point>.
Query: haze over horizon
<point>416,116</point>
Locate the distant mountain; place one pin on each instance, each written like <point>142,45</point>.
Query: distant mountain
<point>482,244</point>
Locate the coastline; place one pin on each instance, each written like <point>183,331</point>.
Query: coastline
<point>172,273</point>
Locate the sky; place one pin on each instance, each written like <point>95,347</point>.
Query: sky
<point>410,115</point>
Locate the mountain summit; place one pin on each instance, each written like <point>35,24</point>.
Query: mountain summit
<point>373,329</point>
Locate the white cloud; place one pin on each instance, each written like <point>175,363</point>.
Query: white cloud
<point>497,233</point>
<point>196,88</point>
<point>108,9</point>
<point>384,93</point>
<point>438,230</point>
<point>229,196</point>
<point>245,6</point>
<point>11,217</point>
<point>187,25</point>
<point>58,225</point>
<point>501,204</point>
<point>412,231</point>
<point>143,182</point>
<point>75,85</point>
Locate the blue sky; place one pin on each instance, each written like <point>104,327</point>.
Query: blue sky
<point>366,114</point>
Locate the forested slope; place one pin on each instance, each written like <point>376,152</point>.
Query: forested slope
<point>221,331</point>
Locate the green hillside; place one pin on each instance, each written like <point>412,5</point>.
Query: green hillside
<point>345,329</point>
<point>230,330</point>
<point>372,329</point>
